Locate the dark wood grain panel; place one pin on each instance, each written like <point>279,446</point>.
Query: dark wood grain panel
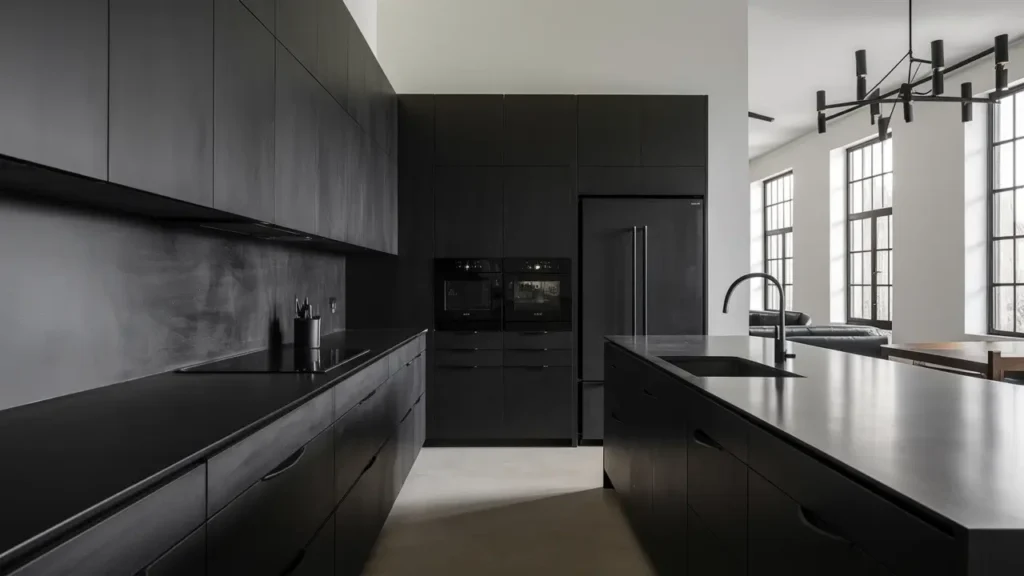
<point>161,97</point>
<point>628,181</point>
<point>610,131</point>
<point>540,130</point>
<point>297,27</point>
<point>468,212</point>
<point>468,130</point>
<point>335,26</point>
<point>296,170</point>
<point>187,558</point>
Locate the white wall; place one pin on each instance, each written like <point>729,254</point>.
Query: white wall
<point>938,207</point>
<point>597,46</point>
<point>364,12</point>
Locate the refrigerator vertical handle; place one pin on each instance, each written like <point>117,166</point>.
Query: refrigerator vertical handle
<point>634,280</point>
<point>646,291</point>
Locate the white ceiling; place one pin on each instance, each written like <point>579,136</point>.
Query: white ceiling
<point>797,47</point>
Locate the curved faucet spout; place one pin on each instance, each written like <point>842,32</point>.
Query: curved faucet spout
<point>780,340</point>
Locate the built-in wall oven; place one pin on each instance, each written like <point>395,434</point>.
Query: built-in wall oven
<point>468,294</point>
<point>538,294</point>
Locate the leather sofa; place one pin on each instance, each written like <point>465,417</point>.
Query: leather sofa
<point>762,318</point>
<point>863,340</point>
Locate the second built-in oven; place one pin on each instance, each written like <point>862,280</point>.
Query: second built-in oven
<point>538,294</point>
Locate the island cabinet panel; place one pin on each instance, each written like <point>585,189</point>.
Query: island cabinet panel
<point>244,113</point>
<point>717,491</point>
<point>161,97</point>
<point>709,554</point>
<point>53,105</point>
<point>187,558</point>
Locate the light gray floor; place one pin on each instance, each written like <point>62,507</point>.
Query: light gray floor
<point>507,511</point>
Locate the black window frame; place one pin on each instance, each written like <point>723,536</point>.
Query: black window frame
<point>1016,236</point>
<point>873,215</point>
<point>783,232</point>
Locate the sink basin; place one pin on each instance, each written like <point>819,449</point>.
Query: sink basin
<point>726,367</point>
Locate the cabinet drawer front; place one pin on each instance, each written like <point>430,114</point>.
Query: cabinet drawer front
<point>399,358</point>
<point>534,340</point>
<point>538,358</point>
<point>356,387</point>
<point>467,340</point>
<point>468,358</point>
<point>243,464</point>
<point>357,521</point>
<point>538,403</point>
<point>894,536</point>
<point>717,486</point>
<point>264,529</point>
<point>726,428</point>
<point>132,537</point>
<point>709,554</point>
<point>465,403</point>
<point>187,558</point>
<point>354,447</point>
<point>317,559</point>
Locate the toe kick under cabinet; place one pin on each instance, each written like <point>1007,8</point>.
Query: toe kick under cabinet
<point>307,494</point>
<point>501,387</point>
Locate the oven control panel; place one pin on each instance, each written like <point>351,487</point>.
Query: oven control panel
<point>538,266</point>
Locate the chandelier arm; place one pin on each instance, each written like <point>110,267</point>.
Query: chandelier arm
<point>889,73</point>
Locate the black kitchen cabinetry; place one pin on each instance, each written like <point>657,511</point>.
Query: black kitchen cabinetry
<point>469,130</point>
<point>333,30</point>
<point>297,27</point>
<point>161,58</point>
<point>244,110</point>
<point>186,558</point>
<point>465,403</point>
<point>265,11</point>
<point>297,146</point>
<point>537,403</point>
<point>468,207</point>
<point>359,56</point>
<point>646,131</point>
<point>53,106</point>
<point>539,130</point>
<point>539,209</point>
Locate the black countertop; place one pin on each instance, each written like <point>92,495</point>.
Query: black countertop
<point>72,458</point>
<point>952,445</point>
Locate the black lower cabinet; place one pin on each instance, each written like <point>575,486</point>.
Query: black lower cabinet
<point>708,553</point>
<point>537,402</point>
<point>465,403</point>
<point>787,539</point>
<point>266,528</point>
<point>317,559</point>
<point>358,520</point>
<point>188,557</point>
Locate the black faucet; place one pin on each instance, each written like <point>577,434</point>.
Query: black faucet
<point>780,334</point>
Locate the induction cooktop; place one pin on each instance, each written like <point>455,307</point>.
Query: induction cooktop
<point>285,359</point>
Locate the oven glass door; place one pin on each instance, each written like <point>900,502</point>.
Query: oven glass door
<point>537,297</point>
<point>468,295</point>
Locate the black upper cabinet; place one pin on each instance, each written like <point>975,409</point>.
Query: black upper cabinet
<point>243,113</point>
<point>468,212</point>
<point>332,159</point>
<point>265,10</point>
<point>468,130</point>
<point>376,86</point>
<point>161,97</point>
<point>296,28</point>
<point>332,48</point>
<point>540,131</point>
<point>539,211</point>
<point>416,138</point>
<point>297,175</point>
<point>359,55</point>
<point>358,166</point>
<point>53,104</point>
<point>675,130</point>
<point>610,131</point>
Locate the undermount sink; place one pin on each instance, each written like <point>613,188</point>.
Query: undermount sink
<point>726,367</point>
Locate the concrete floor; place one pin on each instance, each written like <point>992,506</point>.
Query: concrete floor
<point>507,511</point>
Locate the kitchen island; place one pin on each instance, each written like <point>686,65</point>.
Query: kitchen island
<point>838,464</point>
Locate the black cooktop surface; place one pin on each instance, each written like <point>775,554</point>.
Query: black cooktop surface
<point>286,359</point>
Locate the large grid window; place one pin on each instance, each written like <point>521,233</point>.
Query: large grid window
<point>1006,227</point>
<point>869,234</point>
<point>778,238</point>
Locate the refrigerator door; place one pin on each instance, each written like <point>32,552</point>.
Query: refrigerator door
<point>670,301</point>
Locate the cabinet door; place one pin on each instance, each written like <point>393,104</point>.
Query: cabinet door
<point>187,558</point>
<point>331,162</point>
<point>538,403</point>
<point>53,105</point>
<point>708,554</point>
<point>610,131</point>
<point>264,10</point>
<point>469,130</point>
<point>297,29</point>
<point>354,193</point>
<point>643,425</point>
<point>717,492</point>
<point>359,55</point>
<point>297,145</point>
<point>668,491</point>
<point>161,97</point>
<point>675,130</point>
<point>787,539</point>
<point>539,212</point>
<point>317,559</point>
<point>243,130</point>
<point>377,85</point>
<point>353,525</point>
<point>539,131</point>
<point>465,403</point>
<point>332,48</point>
<point>468,212</point>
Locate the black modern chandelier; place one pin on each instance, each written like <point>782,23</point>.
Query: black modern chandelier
<point>906,96</point>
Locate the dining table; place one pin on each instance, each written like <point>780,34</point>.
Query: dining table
<point>991,359</point>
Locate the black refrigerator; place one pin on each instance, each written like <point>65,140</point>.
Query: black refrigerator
<point>642,272</point>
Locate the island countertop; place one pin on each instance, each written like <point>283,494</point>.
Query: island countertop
<point>952,445</point>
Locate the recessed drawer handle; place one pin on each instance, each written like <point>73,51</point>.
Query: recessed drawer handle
<point>368,396</point>
<point>648,392</point>
<point>460,367</point>
<point>536,367</point>
<point>465,350</point>
<point>295,563</point>
<point>285,465</point>
<point>702,439</point>
<point>418,400</point>
<point>370,463</point>
<point>616,418</point>
<point>533,333</point>
<point>810,520</point>
<point>530,349</point>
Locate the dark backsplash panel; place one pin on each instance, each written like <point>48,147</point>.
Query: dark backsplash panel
<point>89,299</point>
